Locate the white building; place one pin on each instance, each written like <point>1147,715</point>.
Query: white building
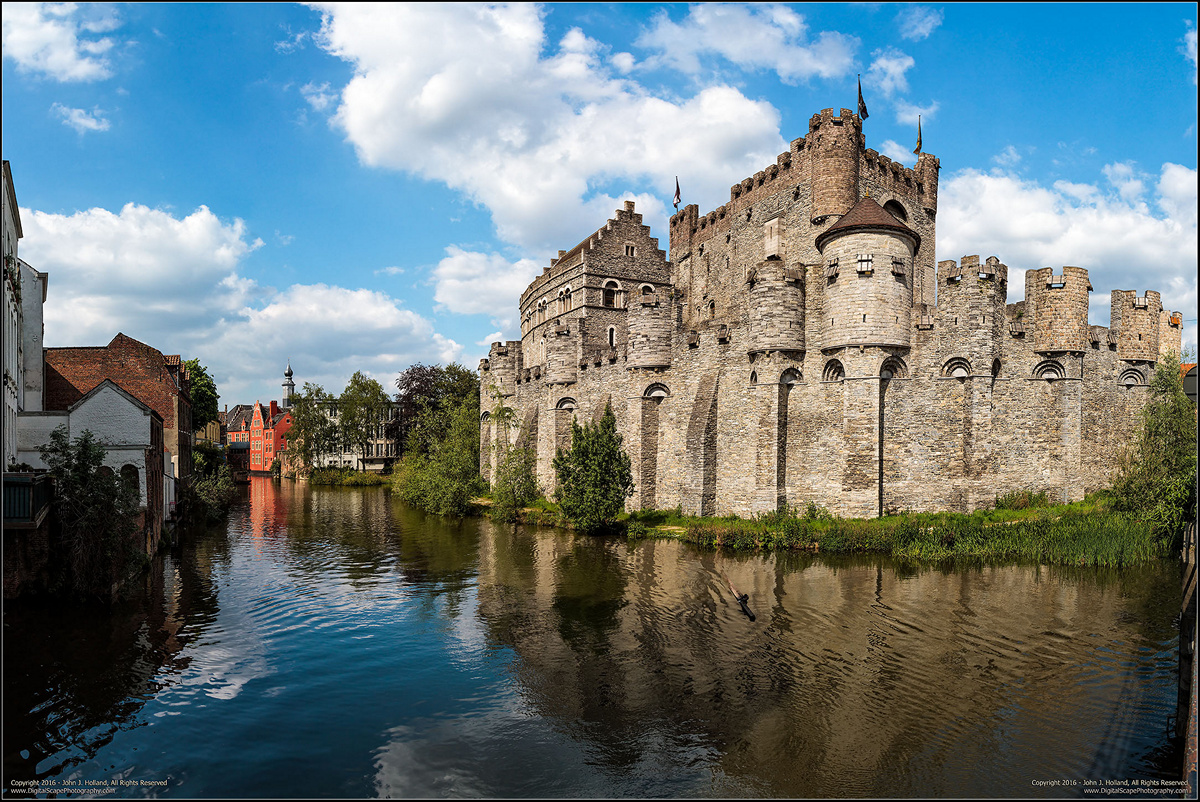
<point>13,329</point>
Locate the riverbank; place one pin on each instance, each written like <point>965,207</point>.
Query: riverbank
<point>1023,527</point>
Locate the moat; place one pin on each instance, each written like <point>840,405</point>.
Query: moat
<point>329,642</point>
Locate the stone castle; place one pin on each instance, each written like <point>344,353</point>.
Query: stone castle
<point>801,344</point>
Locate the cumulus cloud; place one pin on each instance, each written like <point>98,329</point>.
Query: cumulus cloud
<point>59,40</point>
<point>887,71</point>
<point>164,280</point>
<point>897,152</point>
<point>81,120</point>
<point>476,97</point>
<point>918,22</point>
<point>469,282</point>
<point>1111,228</point>
<point>771,37</point>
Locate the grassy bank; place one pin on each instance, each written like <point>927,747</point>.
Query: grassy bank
<point>1089,532</point>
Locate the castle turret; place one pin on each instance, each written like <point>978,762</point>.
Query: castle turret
<point>499,370</point>
<point>1056,306</point>
<point>867,259</point>
<point>649,319</point>
<point>776,301</point>
<point>1135,319</point>
<point>562,352</point>
<point>971,316</point>
<point>833,144</point>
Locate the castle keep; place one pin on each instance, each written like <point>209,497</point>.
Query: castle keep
<point>801,344</point>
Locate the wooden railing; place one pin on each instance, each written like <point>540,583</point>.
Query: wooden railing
<point>27,497</point>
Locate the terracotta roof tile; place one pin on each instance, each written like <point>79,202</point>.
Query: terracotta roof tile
<point>866,215</point>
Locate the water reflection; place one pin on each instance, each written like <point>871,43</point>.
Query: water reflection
<point>331,642</point>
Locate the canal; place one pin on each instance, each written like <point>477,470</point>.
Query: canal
<point>329,642</point>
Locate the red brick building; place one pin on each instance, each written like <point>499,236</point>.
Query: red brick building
<point>158,381</point>
<point>268,425</point>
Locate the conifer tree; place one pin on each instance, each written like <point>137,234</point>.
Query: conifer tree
<point>594,476</point>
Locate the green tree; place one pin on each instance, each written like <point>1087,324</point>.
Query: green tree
<point>363,409</point>
<point>421,388</point>
<point>97,514</point>
<point>204,394</point>
<point>313,433</point>
<point>594,475</point>
<point>442,475</point>
<point>1156,477</point>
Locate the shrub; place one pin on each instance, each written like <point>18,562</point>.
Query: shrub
<point>1156,477</point>
<point>97,514</point>
<point>594,475</point>
<point>516,485</point>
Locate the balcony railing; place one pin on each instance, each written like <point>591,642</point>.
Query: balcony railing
<point>27,498</point>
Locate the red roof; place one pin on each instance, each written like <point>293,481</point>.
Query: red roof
<point>867,215</point>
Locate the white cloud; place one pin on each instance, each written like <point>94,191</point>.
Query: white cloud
<point>57,39</point>
<point>772,37</point>
<point>1188,48</point>
<point>918,22</point>
<point>176,284</point>
<point>909,113</point>
<point>475,97</point>
<point>1112,232</point>
<point>887,71</point>
<point>1009,157</point>
<point>897,152</point>
<point>291,42</point>
<point>469,282</point>
<point>81,120</point>
<point>319,97</point>
<point>390,271</point>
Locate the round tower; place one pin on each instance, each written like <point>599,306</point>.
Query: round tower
<point>867,270</point>
<point>1136,321</point>
<point>562,352</point>
<point>1057,306</point>
<point>649,320</point>
<point>834,145</point>
<point>776,298</point>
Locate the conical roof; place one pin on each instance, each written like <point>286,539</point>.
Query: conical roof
<point>867,215</point>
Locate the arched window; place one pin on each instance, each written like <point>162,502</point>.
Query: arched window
<point>610,294</point>
<point>566,403</point>
<point>834,372</point>
<point>893,368</point>
<point>897,211</point>
<point>647,289</point>
<point>129,475</point>
<point>956,368</point>
<point>789,378</point>
<point>712,310</point>
<point>612,337</point>
<point>485,417</point>
<point>657,392</point>
<point>753,377</point>
<point>567,298</point>
<point>1049,370</point>
<point>1131,377</point>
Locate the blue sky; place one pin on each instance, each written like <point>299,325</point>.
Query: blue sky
<point>362,187</point>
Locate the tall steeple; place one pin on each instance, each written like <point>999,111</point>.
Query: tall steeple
<point>289,386</point>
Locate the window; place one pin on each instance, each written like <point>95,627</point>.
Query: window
<point>831,270</point>
<point>864,263</point>
<point>610,294</point>
<point>630,250</point>
<point>612,337</point>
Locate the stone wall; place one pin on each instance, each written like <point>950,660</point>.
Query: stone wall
<point>744,378</point>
